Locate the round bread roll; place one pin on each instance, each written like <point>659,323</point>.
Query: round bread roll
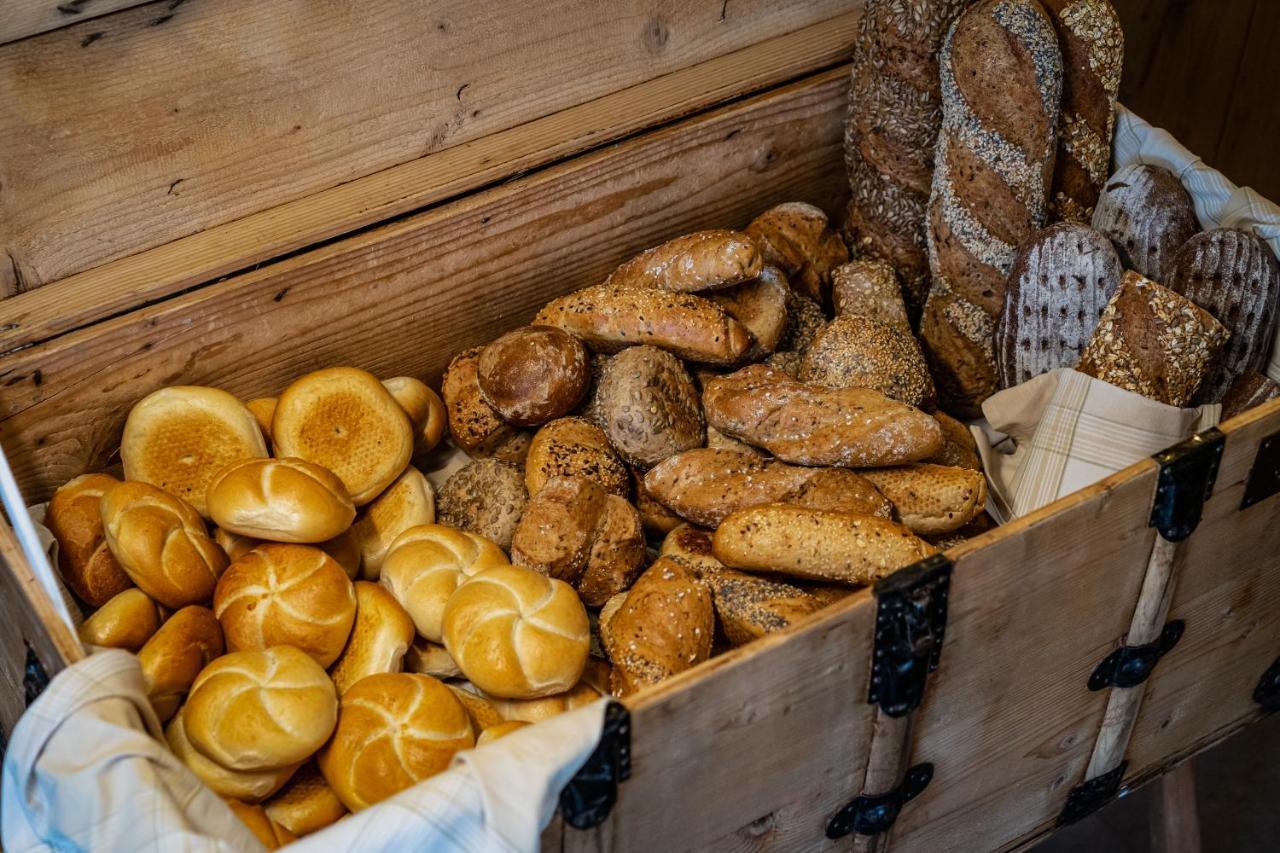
<point>306,804</point>
<point>382,634</point>
<point>649,407</point>
<point>393,730</point>
<point>427,563</point>
<point>178,438</point>
<point>474,425</point>
<point>177,652</point>
<point>486,497</point>
<point>408,502</point>
<point>344,419</point>
<point>269,834</point>
<point>286,595</point>
<point>125,622</point>
<point>574,447</point>
<point>248,786</point>
<point>858,352</point>
<point>517,634</point>
<point>536,710</point>
<point>280,500</point>
<point>85,562</point>
<point>264,409</point>
<point>161,543</point>
<point>502,729</point>
<point>534,374</point>
<point>262,709</point>
<point>424,408</point>
<point>343,548</point>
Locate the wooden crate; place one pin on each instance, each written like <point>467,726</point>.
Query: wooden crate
<point>415,222</point>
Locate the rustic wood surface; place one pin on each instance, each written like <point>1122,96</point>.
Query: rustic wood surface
<point>888,758</point>
<point>22,18</point>
<point>1175,821</point>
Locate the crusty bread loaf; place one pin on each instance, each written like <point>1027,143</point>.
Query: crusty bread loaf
<point>427,563</point>
<point>280,500</point>
<point>813,425</point>
<point>859,352</point>
<point>1060,282</point>
<point>486,497</point>
<point>1148,215</point>
<point>250,786</point>
<point>703,260</point>
<point>257,710</point>
<point>816,544</point>
<point>574,447</point>
<point>869,288</point>
<point>86,563</point>
<point>609,318</point>
<point>344,419</point>
<point>796,238</point>
<point>1001,73</point>
<point>1251,389</point>
<point>178,438</point>
<point>293,595</point>
<point>126,621</point>
<point>380,637</point>
<point>534,374</point>
<point>932,500</point>
<point>706,485</point>
<point>408,502</point>
<point>516,633</point>
<point>269,833</point>
<point>425,410</point>
<point>393,730</point>
<point>576,531</point>
<point>161,543</point>
<point>475,426</point>
<point>648,406</point>
<point>958,446</point>
<point>306,803</point>
<point>176,654</point>
<point>1153,342</point>
<point>761,306</point>
<point>502,729</point>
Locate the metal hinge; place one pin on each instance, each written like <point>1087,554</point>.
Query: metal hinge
<point>911,619</point>
<point>589,797</point>
<point>34,677</point>
<point>1129,666</point>
<point>1087,797</point>
<point>1187,473</point>
<point>1264,476</point>
<point>872,815</point>
<point>1267,693</point>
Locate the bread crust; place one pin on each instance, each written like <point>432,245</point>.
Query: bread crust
<point>534,374</point>
<point>703,260</point>
<point>649,406</point>
<point>1148,215</point>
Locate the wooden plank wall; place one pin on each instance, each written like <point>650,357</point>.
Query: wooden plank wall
<point>1206,71</point>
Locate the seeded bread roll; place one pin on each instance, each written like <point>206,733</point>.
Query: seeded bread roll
<point>250,786</point>
<point>959,449</point>
<point>85,561</point>
<point>487,498</point>
<point>1148,215</point>
<point>280,500</point>
<point>655,518</point>
<point>932,500</point>
<point>306,804</point>
<point>406,503</point>
<point>534,374</point>
<point>869,289</point>
<point>704,260</point>
<point>761,306</point>
<point>1059,284</point>
<point>1251,389</point>
<point>797,239</point>
<point>475,426</point>
<point>425,410</point>
<point>178,652</point>
<point>858,352</point>
<point>379,638</point>
<point>126,621</point>
<point>574,447</point>
<point>648,406</point>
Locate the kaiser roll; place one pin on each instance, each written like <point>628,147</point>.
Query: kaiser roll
<point>517,634</point>
<point>306,803</point>
<point>408,502</point>
<point>534,374</point>
<point>345,420</point>
<point>270,834</point>
<point>179,437</point>
<point>382,634</point>
<point>342,548</point>
<point>425,410</point>
<point>280,500</point>
<point>125,622</point>
<point>286,595</point>
<point>162,543</point>
<point>250,786</point>
<point>393,730</point>
<point>175,655</point>
<point>261,709</point>
<point>84,560</point>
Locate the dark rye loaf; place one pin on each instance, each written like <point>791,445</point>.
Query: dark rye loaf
<point>1148,214</point>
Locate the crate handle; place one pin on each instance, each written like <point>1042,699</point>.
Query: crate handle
<point>28,542</point>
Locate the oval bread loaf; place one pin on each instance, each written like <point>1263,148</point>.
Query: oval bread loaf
<point>178,651</point>
<point>1148,215</point>
<point>932,500</point>
<point>534,374</point>
<point>648,406</point>
<point>85,561</point>
<point>858,352</point>
<point>408,502</point>
<point>127,621</point>
<point>703,260</point>
<point>380,637</point>
<point>280,500</point>
<point>574,447</point>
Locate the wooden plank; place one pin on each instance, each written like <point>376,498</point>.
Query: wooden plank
<point>406,297</point>
<point>117,286</point>
<point>22,18</point>
<point>1008,721</point>
<point>1244,152</point>
<point>218,109</point>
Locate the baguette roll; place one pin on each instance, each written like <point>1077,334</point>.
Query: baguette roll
<point>703,260</point>
<point>959,450</point>
<point>796,238</point>
<point>280,500</point>
<point>85,561</point>
<point>761,306</point>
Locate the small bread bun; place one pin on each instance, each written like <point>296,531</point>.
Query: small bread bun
<point>473,424</point>
<point>125,622</point>
<point>280,500</point>
<point>342,548</point>
<point>431,659</point>
<point>162,543</point>
<point>247,786</point>
<point>517,634</point>
<point>481,711</point>
<point>271,835</point>
<point>344,419</point>
<point>264,409</point>
<point>260,710</point>
<point>179,437</point>
<point>177,652</point>
<point>382,634</point>
<point>427,563</point>
<point>84,560</point>
<point>574,447</point>
<point>393,730</point>
<point>286,595</point>
<point>306,804</point>
<point>424,408</point>
<point>534,374</point>
<point>536,710</point>
<point>502,729</point>
<point>408,502</point>
<point>486,497</point>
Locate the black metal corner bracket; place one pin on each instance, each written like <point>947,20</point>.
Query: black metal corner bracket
<point>589,797</point>
<point>1091,795</point>
<point>1129,666</point>
<point>34,677</point>
<point>872,815</point>
<point>911,619</point>
<point>1267,693</point>
<point>1264,476</point>
<point>1187,473</point>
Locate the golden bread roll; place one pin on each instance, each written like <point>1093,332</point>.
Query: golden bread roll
<point>272,835</point>
<point>655,517</point>
<point>249,786</point>
<point>127,621</point>
<point>574,447</point>
<point>816,544</point>
<point>932,500</point>
<point>428,658</point>
<point>344,419</point>
<point>797,238</point>
<point>485,497</point>
<point>546,707</point>
<point>475,426</point>
<point>280,500</point>
<point>427,563</point>
<point>502,729</point>
<point>703,260</point>
<point>424,408</point>
<point>86,563</point>
<point>408,502</point>
<point>393,730</point>
<point>382,634</point>
<point>480,710</point>
<point>958,446</point>
<point>176,654</point>
<point>306,804</point>
<point>534,374</point>
<point>263,409</point>
<point>178,438</point>
<point>260,710</point>
<point>342,548</point>
<point>517,634</point>
<point>761,306</point>
<point>162,543</point>
<point>286,595</point>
